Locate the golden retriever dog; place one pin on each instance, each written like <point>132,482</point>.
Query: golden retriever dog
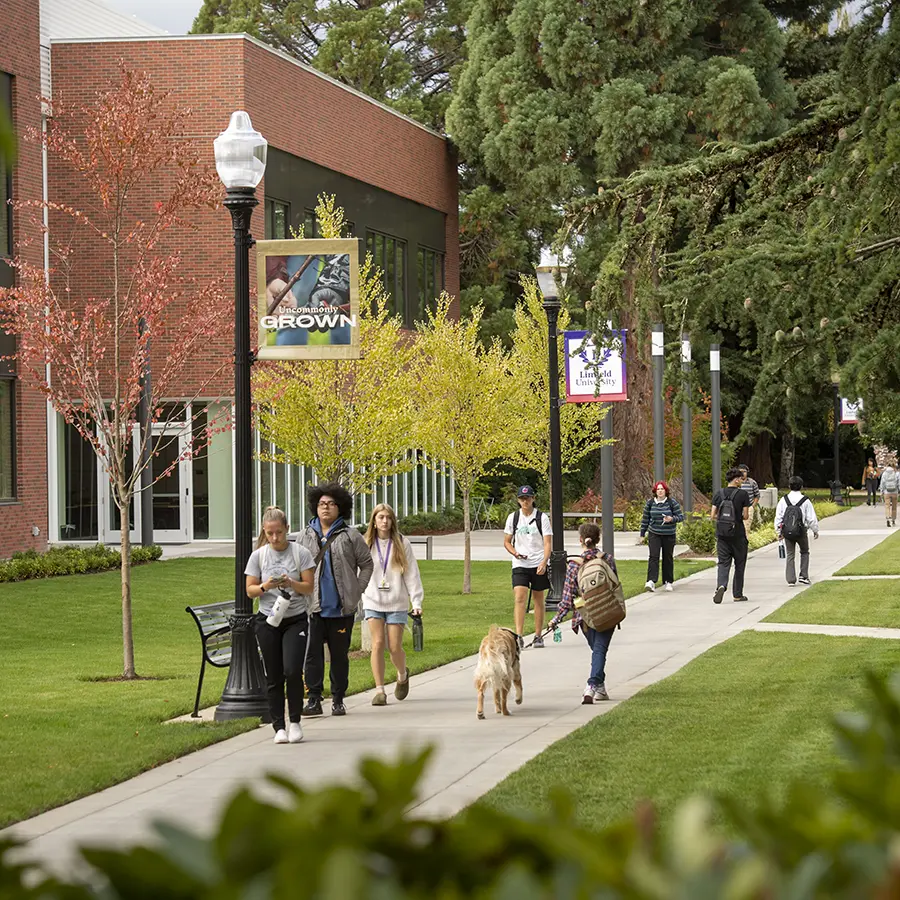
<point>498,668</point>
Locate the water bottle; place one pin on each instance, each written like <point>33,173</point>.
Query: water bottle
<point>418,632</point>
<point>557,635</point>
<point>782,552</point>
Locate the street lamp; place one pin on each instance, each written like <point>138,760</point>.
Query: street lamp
<point>241,161</point>
<point>549,279</point>
<point>836,489</point>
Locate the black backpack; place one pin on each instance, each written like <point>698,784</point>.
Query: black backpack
<point>726,522</point>
<point>792,526</point>
<point>537,521</point>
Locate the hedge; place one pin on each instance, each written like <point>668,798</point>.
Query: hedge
<point>70,560</point>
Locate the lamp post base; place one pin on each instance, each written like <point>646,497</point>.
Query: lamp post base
<point>244,696</point>
<point>558,562</point>
<point>837,493</point>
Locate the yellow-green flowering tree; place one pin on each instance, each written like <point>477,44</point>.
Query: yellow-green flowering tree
<point>579,423</point>
<point>350,420</point>
<point>467,404</point>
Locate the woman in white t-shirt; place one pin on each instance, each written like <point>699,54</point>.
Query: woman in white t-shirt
<point>393,588</point>
<point>279,575</point>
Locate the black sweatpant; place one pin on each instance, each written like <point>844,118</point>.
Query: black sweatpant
<point>732,549</point>
<point>336,633</point>
<point>666,544</point>
<point>283,650</point>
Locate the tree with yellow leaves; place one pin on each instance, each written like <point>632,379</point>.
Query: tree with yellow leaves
<point>467,404</point>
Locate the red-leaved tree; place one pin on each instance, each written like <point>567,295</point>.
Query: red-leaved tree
<point>116,288</point>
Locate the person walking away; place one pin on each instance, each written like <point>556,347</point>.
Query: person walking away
<point>870,482</point>
<point>661,514</point>
<point>395,586</point>
<point>730,511</point>
<point>890,486</point>
<point>598,641</point>
<point>527,536</point>
<point>343,567</point>
<point>795,517</point>
<point>752,488</point>
<point>279,574</point>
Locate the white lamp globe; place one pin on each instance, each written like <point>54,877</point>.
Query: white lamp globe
<point>240,153</point>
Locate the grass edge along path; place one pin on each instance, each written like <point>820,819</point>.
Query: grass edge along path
<point>882,559</point>
<point>67,731</point>
<point>748,716</point>
<point>865,603</point>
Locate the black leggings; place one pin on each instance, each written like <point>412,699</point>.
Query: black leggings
<point>283,650</point>
<point>666,544</point>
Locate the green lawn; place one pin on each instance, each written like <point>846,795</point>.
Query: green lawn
<point>875,603</point>
<point>881,560</point>
<point>750,715</point>
<point>64,734</point>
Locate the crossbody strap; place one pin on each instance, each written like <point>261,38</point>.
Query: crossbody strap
<point>324,548</point>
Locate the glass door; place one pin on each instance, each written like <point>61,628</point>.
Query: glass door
<point>171,467</point>
<point>110,519</point>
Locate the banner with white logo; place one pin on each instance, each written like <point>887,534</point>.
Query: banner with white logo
<point>595,373</point>
<point>308,299</point>
<point>850,410</point>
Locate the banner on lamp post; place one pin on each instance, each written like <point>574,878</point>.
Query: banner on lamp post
<point>850,410</point>
<point>595,373</point>
<point>308,299</point>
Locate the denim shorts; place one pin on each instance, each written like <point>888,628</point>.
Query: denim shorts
<point>392,618</point>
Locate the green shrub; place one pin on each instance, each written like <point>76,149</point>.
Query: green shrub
<point>699,534</point>
<point>448,519</point>
<point>70,560</point>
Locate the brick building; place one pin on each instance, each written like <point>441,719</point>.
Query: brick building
<point>395,179</point>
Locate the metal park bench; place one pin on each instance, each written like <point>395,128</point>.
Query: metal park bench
<point>425,539</point>
<point>214,623</point>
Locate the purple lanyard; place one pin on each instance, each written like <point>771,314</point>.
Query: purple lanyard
<point>384,560</point>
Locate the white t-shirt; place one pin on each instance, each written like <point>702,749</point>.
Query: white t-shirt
<point>528,540</point>
<point>266,563</point>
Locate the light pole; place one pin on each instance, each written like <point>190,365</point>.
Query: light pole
<point>657,349</point>
<point>716,414</point>
<point>687,431</point>
<point>241,161</point>
<point>836,489</point>
<point>549,280</point>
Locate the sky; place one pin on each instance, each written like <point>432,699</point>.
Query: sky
<point>174,16</point>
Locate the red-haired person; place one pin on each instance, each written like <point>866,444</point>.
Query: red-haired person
<point>661,514</point>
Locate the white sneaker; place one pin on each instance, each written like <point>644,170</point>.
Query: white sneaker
<point>295,733</point>
<point>650,586</point>
<point>281,736</point>
<point>588,697</point>
<point>669,586</point>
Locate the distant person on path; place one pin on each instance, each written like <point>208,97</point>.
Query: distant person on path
<point>661,514</point>
<point>795,517</point>
<point>870,482</point>
<point>890,486</point>
<point>730,511</point>
<point>280,575</point>
<point>395,586</point>
<point>752,488</point>
<point>343,569</point>
<point>598,641</point>
<point>527,536</point>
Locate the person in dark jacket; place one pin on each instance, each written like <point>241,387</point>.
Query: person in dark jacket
<point>343,569</point>
<point>661,514</point>
<point>731,547</point>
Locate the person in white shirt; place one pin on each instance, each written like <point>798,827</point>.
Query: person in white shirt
<point>810,522</point>
<point>395,586</point>
<point>890,486</point>
<point>528,537</point>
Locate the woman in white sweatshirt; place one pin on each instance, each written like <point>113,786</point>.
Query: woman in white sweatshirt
<point>394,587</point>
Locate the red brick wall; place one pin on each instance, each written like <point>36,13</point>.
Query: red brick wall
<point>20,57</point>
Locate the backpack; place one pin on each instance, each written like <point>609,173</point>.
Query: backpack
<point>726,522</point>
<point>890,485</point>
<point>602,599</point>
<point>538,515</point>
<point>792,526</point>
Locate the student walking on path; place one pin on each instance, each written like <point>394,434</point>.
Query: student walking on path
<point>527,536</point>
<point>661,515</point>
<point>280,575</point>
<point>343,569</point>
<point>870,482</point>
<point>730,512</point>
<point>395,586</point>
<point>795,517</point>
<point>751,487</point>
<point>598,641</point>
<point>890,486</point>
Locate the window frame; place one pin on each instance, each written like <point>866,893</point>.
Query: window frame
<point>400,290</point>
<point>270,204</point>
<point>423,252</point>
<point>13,432</point>
<point>6,93</point>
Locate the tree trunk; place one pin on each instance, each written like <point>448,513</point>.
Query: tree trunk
<point>127,628</point>
<point>467,544</point>
<point>787,458</point>
<point>758,456</point>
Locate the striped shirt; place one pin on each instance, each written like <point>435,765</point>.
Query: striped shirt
<point>751,487</point>
<point>654,511</point>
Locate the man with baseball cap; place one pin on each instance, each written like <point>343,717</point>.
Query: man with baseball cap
<point>528,538</point>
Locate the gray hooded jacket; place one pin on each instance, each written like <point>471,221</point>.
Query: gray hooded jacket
<point>351,561</point>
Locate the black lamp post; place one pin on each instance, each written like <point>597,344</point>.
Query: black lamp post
<point>549,278</point>
<point>836,488</point>
<point>241,161</point>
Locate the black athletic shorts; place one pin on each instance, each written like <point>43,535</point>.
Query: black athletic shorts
<point>522,577</point>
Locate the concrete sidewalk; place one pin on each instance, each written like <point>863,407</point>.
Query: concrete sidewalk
<point>661,634</point>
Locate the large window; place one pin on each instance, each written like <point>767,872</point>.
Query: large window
<point>78,487</point>
<point>6,243</point>
<point>278,219</point>
<point>7,439</point>
<point>389,254</point>
<point>430,272</point>
<point>311,226</point>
